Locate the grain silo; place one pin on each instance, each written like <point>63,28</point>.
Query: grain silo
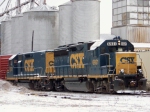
<point>41,23</point>
<point>17,34</point>
<point>86,20</point>
<point>65,23</point>
<point>6,35</point>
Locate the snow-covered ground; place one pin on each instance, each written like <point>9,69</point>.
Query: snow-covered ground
<point>20,99</point>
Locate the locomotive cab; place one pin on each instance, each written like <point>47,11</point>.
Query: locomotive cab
<point>119,61</point>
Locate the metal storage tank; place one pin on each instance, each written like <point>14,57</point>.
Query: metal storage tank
<point>17,34</point>
<point>86,20</point>
<point>6,35</point>
<point>43,21</point>
<point>137,34</point>
<point>65,23</point>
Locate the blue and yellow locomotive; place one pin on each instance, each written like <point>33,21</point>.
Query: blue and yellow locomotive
<point>99,66</point>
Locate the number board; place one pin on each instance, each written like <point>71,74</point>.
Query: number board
<point>111,43</point>
<point>123,43</point>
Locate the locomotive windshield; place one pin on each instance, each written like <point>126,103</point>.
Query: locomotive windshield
<point>117,49</point>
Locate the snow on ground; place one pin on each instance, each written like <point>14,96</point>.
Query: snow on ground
<point>20,99</point>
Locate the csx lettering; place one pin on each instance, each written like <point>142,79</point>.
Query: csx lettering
<point>127,60</point>
<point>50,69</point>
<point>51,63</point>
<point>76,60</point>
<point>28,64</point>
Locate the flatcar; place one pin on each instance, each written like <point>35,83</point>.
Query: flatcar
<point>107,66</point>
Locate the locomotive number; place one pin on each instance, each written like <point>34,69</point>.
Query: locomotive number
<point>111,43</point>
<point>76,60</point>
<point>95,62</point>
<point>28,64</point>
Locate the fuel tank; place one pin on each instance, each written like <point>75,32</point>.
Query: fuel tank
<point>78,85</point>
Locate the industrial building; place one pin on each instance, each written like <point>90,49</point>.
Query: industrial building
<point>130,20</point>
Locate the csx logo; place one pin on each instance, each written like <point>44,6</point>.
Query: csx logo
<point>76,60</point>
<point>127,60</point>
<point>28,64</point>
<point>51,63</point>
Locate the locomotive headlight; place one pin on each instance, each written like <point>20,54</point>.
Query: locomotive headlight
<point>122,71</point>
<point>140,70</point>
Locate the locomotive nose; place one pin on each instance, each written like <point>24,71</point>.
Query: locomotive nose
<point>126,62</point>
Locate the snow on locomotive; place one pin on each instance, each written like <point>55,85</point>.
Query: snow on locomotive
<point>99,66</point>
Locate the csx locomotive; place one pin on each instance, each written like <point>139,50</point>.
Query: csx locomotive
<point>100,66</point>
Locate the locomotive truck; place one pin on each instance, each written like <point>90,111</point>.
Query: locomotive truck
<point>102,66</point>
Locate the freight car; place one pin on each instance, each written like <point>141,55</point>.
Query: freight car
<point>99,66</point>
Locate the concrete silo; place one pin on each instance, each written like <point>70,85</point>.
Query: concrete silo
<point>17,34</point>
<point>86,20</point>
<point>6,35</point>
<point>65,23</point>
<point>43,21</point>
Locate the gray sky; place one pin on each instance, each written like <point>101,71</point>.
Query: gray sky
<point>105,12</point>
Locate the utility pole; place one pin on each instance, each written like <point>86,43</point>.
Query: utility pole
<point>32,40</point>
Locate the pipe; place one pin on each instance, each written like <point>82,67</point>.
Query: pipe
<point>44,2</point>
<point>32,4</point>
<point>19,8</point>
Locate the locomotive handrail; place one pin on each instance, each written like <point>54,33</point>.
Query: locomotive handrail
<point>145,69</point>
<point>63,67</point>
<point>108,60</point>
<point>69,65</point>
<point>142,65</point>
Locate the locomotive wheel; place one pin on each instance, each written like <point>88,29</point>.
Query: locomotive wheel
<point>15,83</point>
<point>49,86</point>
<point>31,85</point>
<point>105,88</point>
<point>59,87</point>
<point>37,85</point>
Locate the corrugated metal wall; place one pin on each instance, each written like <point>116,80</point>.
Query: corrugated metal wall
<point>4,61</point>
<point>145,59</point>
<point>137,34</point>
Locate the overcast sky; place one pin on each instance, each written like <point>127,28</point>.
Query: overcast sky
<point>105,13</point>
